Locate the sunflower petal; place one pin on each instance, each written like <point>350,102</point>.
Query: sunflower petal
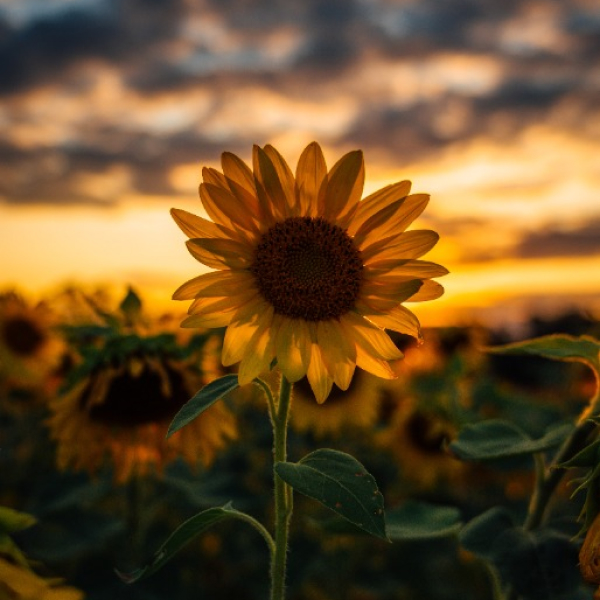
<point>376,366</point>
<point>260,350</point>
<point>217,303</point>
<point>378,201</point>
<point>286,178</point>
<point>311,174</point>
<point>219,253</point>
<point>269,184</point>
<point>209,321</point>
<point>293,348</point>
<point>430,290</point>
<point>230,205</point>
<point>339,354</point>
<point>409,244</point>
<point>194,226</point>
<point>217,283</point>
<point>235,169</point>
<point>369,337</point>
<point>399,291</point>
<point>386,271</point>
<point>318,376</point>
<point>393,219</point>
<point>398,319</point>
<point>344,188</point>
<point>242,327</point>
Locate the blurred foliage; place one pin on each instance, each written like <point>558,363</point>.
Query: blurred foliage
<point>88,526</point>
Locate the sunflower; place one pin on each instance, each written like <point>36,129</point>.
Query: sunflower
<point>29,349</point>
<point>118,402</point>
<point>305,272</point>
<point>417,437</point>
<point>344,408</point>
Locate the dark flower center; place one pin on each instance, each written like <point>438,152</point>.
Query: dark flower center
<point>131,401</point>
<point>308,268</point>
<point>22,336</point>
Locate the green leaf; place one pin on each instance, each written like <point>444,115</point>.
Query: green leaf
<point>13,520</point>
<point>539,565</point>
<point>180,537</point>
<point>342,484</point>
<point>479,534</point>
<point>498,439</point>
<point>421,520</point>
<point>563,347</point>
<point>206,397</point>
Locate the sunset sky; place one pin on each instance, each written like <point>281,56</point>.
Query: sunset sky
<point>109,109</point>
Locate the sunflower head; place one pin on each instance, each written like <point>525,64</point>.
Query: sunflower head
<point>119,399</point>
<point>304,271</point>
<point>29,346</point>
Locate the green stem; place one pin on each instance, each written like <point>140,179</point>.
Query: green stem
<point>283,492</point>
<point>547,480</point>
<point>554,474</point>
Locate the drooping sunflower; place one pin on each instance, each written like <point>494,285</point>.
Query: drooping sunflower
<point>306,272</point>
<point>120,399</point>
<point>417,438</point>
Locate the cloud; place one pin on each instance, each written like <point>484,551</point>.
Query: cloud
<point>582,241</point>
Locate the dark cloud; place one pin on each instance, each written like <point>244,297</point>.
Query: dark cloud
<point>159,46</point>
<point>584,241</point>
<point>42,49</point>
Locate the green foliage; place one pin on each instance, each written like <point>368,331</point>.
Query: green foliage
<point>537,565</point>
<point>342,484</point>
<point>563,347</point>
<point>206,397</point>
<point>498,439</point>
<point>180,537</point>
<point>422,521</point>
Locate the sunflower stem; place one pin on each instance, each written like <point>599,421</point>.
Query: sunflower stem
<point>283,492</point>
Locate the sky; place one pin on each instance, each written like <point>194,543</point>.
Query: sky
<point>110,108</point>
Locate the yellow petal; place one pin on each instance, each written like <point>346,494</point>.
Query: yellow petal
<point>235,169</point>
<point>393,219</point>
<point>344,188</point>
<point>378,201</point>
<point>194,226</point>
<point>217,283</point>
<point>260,350</point>
<point>285,176</point>
<point>398,319</point>
<point>369,337</point>
<point>387,271</point>
<point>242,327</point>
<point>238,214</point>
<point>318,376</point>
<point>430,290</point>
<point>398,291</point>
<point>221,253</point>
<point>268,184</point>
<point>311,174</point>
<point>410,244</point>
<point>376,366</point>
<point>339,353</point>
<point>293,348</point>
<point>216,303</point>
<point>220,318</point>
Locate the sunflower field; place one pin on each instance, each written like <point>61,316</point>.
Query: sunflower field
<point>483,447</point>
